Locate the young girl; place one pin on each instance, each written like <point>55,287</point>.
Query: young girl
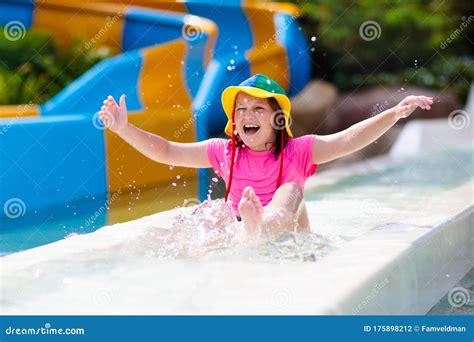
<point>263,165</point>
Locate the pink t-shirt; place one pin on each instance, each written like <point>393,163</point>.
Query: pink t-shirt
<point>260,169</point>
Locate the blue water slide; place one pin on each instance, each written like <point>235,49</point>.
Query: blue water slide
<point>48,162</point>
<point>12,11</point>
<point>120,74</point>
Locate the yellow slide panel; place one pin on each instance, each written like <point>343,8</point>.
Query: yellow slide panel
<point>268,56</point>
<point>100,24</point>
<point>167,106</point>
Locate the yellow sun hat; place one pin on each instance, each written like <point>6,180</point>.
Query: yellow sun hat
<point>262,87</point>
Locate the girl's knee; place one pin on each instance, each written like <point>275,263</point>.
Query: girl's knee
<point>293,189</point>
<point>289,195</point>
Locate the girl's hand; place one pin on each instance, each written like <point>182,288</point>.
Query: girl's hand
<point>113,116</point>
<point>410,103</point>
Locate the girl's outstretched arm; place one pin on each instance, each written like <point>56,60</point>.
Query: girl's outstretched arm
<point>115,118</point>
<point>361,134</point>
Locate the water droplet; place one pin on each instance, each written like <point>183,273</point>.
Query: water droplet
<point>313,38</point>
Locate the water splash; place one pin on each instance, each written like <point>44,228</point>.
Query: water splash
<point>210,230</point>
<point>208,227</point>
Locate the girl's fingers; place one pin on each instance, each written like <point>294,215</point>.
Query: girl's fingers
<point>111,99</point>
<point>113,107</point>
<point>122,102</point>
<point>109,105</point>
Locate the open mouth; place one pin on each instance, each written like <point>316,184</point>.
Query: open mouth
<point>251,129</point>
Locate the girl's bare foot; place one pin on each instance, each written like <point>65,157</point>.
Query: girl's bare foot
<point>251,212</point>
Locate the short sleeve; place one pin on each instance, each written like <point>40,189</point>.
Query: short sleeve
<point>303,155</point>
<point>216,151</point>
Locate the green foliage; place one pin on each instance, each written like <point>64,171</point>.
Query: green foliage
<point>34,69</point>
<point>407,49</point>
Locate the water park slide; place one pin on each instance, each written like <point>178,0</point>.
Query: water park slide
<point>173,60</point>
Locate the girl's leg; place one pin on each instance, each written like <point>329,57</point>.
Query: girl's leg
<point>280,215</point>
<point>286,208</point>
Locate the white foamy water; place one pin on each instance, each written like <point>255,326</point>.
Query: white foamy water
<point>211,231</point>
